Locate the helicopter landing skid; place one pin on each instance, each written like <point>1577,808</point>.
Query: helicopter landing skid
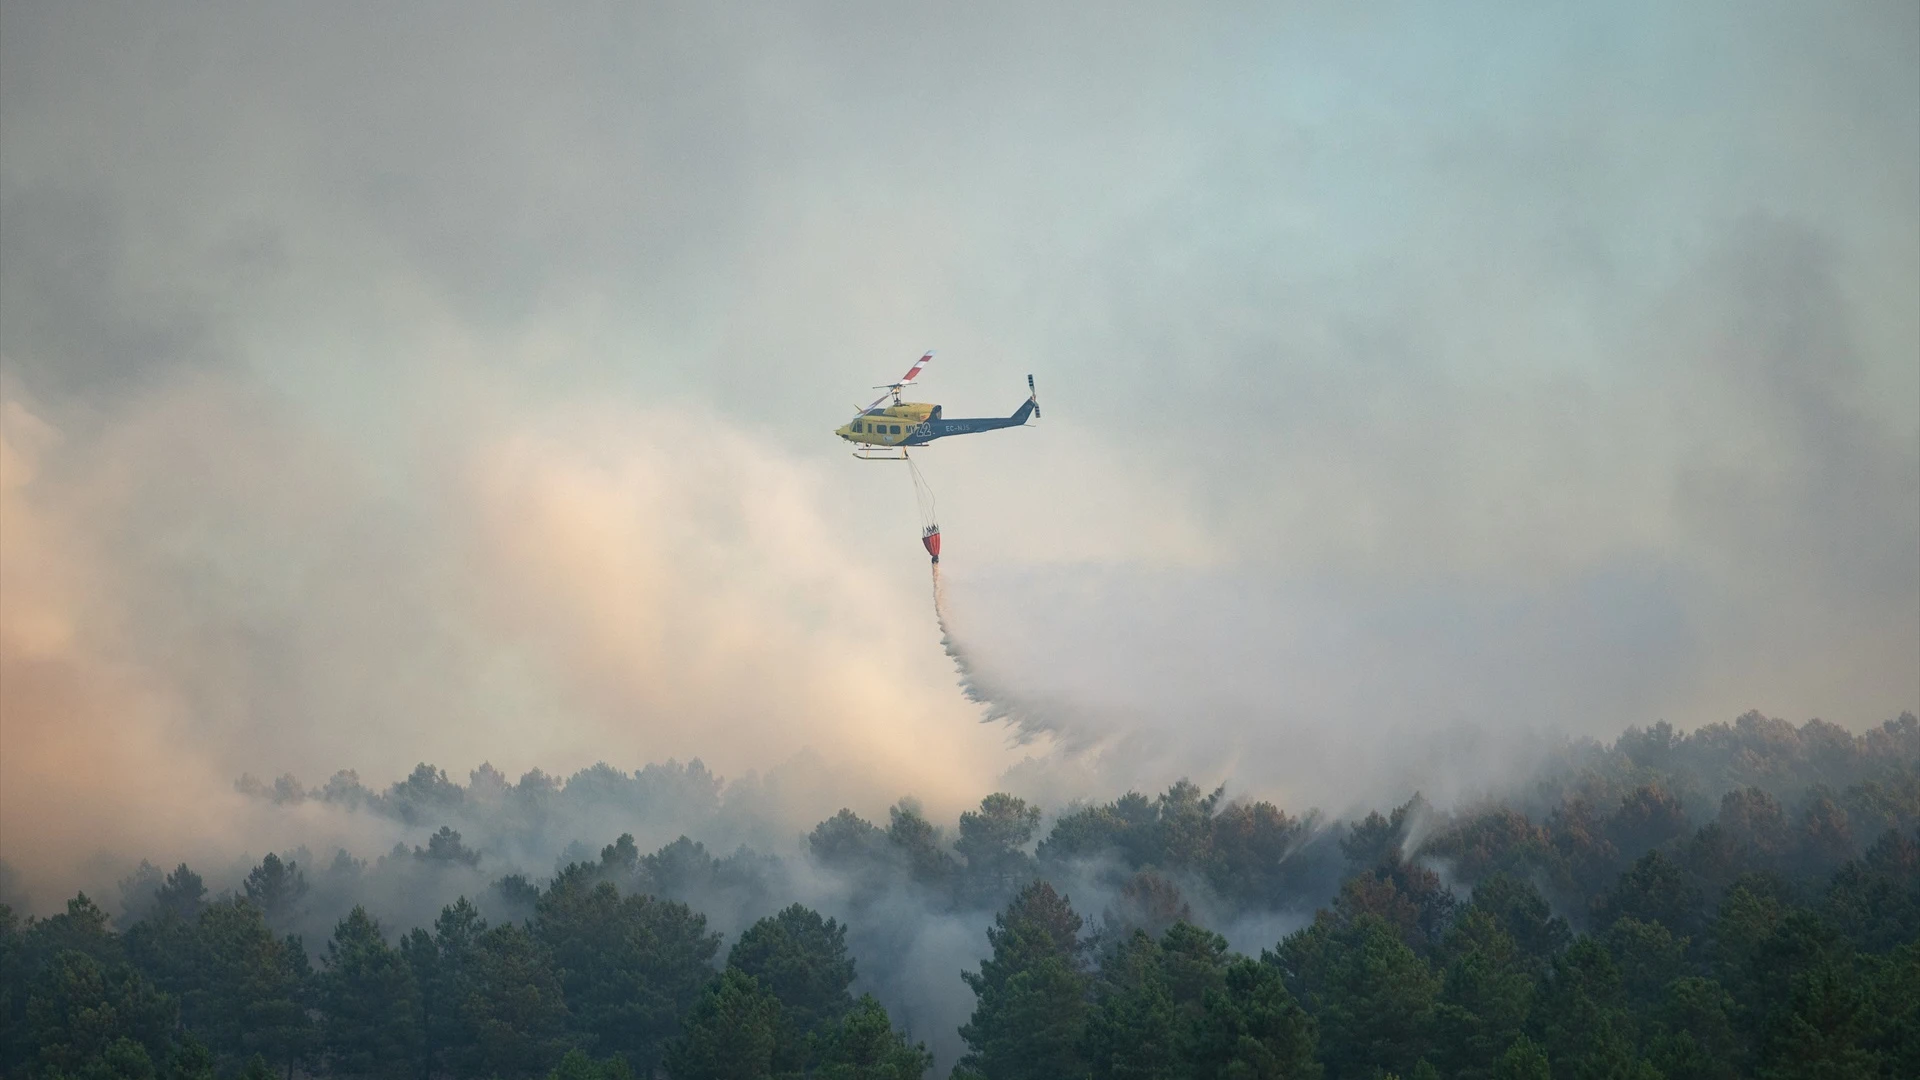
<point>891,453</point>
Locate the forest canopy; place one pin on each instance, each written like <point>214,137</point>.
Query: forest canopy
<point>1742,900</point>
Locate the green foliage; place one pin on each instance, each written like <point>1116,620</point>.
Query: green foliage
<point>1374,840</point>
<point>732,1033</point>
<point>1874,901</point>
<point>1248,852</point>
<point>1251,1028</point>
<point>1754,820</point>
<point>577,1065</point>
<point>1749,914</point>
<point>445,849</point>
<point>516,895</point>
<point>1375,1001</point>
<point>1519,910</point>
<point>1184,826</point>
<point>676,869</point>
<point>1124,827</point>
<point>1491,840</point>
<point>276,888</point>
<point>182,895</point>
<point>993,843</point>
<point>1895,982</point>
<point>1027,1024</point>
<point>241,989</point>
<point>853,847</point>
<point>1522,1060</point>
<point>802,960</point>
<point>847,841</point>
<point>14,974</point>
<point>863,1045</point>
<point>1766,943</point>
<point>1691,1032</point>
<point>1134,1029</point>
<point>190,1059</point>
<point>1821,1029</point>
<point>1580,1015</point>
<point>1485,994</point>
<point>630,967</point>
<point>1647,955</point>
<point>85,1018</point>
<point>1655,890</point>
<point>372,1003</point>
<point>511,1013</point>
<point>1824,834</point>
<point>920,842</point>
<point>426,793</point>
<point>1648,817</point>
<point>440,961</point>
<point>82,928</point>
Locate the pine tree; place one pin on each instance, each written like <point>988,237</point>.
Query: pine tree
<point>510,1005</point>
<point>802,960</point>
<point>276,887</point>
<point>1251,1028</point>
<point>84,1017</point>
<point>864,1046</point>
<point>182,895</point>
<point>1581,1015</point>
<point>439,962</point>
<point>1375,1000</point>
<point>371,1003</point>
<point>731,1034</point>
<point>631,967</point>
<point>1523,1060</point>
<point>1027,1024</point>
<point>920,842</point>
<point>247,988</point>
<point>1133,1030</point>
<point>993,842</point>
<point>1484,996</point>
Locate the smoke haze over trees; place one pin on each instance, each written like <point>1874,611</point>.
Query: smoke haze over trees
<point>1724,900</point>
<point>1433,391</point>
<point>374,395</point>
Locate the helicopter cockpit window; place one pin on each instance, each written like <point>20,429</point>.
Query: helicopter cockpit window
<point>858,428</point>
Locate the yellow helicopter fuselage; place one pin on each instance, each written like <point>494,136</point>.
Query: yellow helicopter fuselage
<point>891,426</point>
<point>915,423</point>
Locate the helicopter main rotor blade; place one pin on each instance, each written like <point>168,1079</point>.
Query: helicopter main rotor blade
<point>893,388</point>
<point>914,371</point>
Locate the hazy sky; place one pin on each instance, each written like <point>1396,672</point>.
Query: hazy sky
<point>387,383</point>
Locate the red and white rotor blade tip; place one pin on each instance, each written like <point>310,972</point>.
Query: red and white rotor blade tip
<point>912,373</point>
<point>918,366</point>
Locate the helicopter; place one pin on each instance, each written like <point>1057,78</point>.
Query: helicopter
<point>882,432</point>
